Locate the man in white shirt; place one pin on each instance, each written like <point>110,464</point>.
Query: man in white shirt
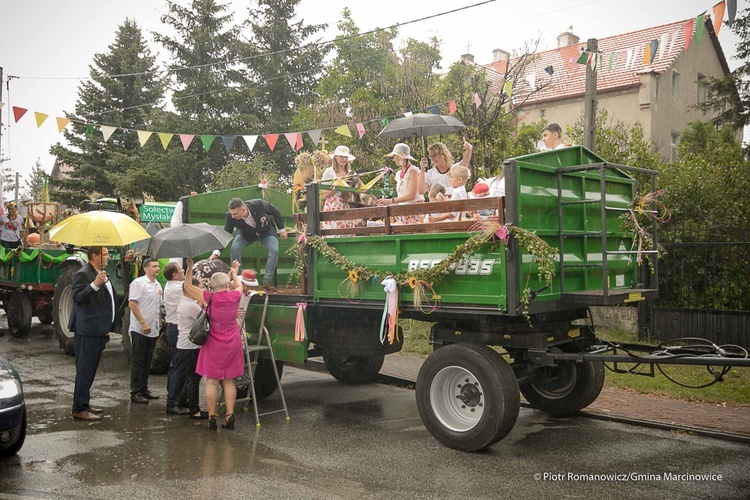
<point>552,136</point>
<point>145,299</point>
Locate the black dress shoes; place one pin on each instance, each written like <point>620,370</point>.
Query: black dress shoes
<point>137,398</point>
<point>148,395</point>
<point>176,410</point>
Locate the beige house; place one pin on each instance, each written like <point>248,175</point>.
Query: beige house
<point>658,93</point>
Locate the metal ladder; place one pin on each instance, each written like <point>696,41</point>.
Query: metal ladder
<point>252,352</point>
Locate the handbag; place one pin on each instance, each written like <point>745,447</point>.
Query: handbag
<point>199,331</point>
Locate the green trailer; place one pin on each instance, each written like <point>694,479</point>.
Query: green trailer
<point>500,327</point>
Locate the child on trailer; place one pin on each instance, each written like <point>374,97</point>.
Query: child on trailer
<point>458,177</point>
<point>481,190</point>
<point>437,193</point>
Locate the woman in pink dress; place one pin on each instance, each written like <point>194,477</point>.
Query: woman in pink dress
<point>340,169</point>
<point>221,358</point>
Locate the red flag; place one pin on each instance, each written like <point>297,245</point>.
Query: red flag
<point>476,100</point>
<point>271,140</point>
<point>688,32</point>
<point>292,138</point>
<point>718,15</point>
<point>361,130</point>
<point>18,112</point>
<point>451,106</point>
<point>299,141</point>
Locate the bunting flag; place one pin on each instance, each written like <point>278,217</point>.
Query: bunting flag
<point>550,70</point>
<point>687,31</point>
<point>361,128</point>
<point>62,123</point>
<point>90,130</point>
<point>531,80</point>
<point>18,113</point>
<point>408,113</point>
<point>385,121</point>
<point>228,141</point>
<point>165,138</point>
<point>583,58</point>
<point>673,41</point>
<point>107,131</point>
<point>593,59</point>
<point>610,61</point>
<point>186,139</point>
<point>299,141</point>
<point>207,140</point>
<point>40,117</point>
<point>663,45</point>
<point>250,140</point>
<point>291,137</point>
<point>451,106</point>
<point>344,130</point>
<point>629,58</point>
<point>508,89</point>
<point>718,15</point>
<point>435,110</point>
<point>654,48</point>
<point>315,135</point>
<point>271,140</point>
<point>143,136</point>
<point>731,11</point>
<point>700,24</point>
<point>476,100</point>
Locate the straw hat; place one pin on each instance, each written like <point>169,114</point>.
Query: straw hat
<point>343,151</point>
<point>403,150</point>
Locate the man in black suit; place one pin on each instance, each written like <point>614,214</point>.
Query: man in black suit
<point>92,318</point>
<point>255,220</point>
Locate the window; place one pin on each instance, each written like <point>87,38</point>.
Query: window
<point>542,112</point>
<point>702,90</point>
<point>673,143</point>
<point>675,84</point>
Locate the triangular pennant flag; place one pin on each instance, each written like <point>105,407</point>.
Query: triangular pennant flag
<point>228,141</point>
<point>673,40</point>
<point>143,136</point>
<point>476,100</point>
<point>731,11</point>
<point>299,141</point>
<point>531,80</point>
<point>186,139</point>
<point>687,31</point>
<point>718,15</point>
<point>207,140</point>
<point>653,47</point>
<point>434,109</point>
<point>343,130</point>
<point>271,140</point>
<point>40,117</point>
<point>18,112</point>
<point>250,140</point>
<point>508,89</point>
<point>62,123</point>
<point>647,53</point>
<point>611,61</point>
<point>165,138</point>
<point>592,61</point>
<point>107,131</point>
<point>361,128</point>
<point>291,137</point>
<point>451,106</point>
<point>90,129</point>
<point>629,58</point>
<point>583,58</point>
<point>550,70</point>
<point>700,24</point>
<point>315,135</point>
<point>663,45</point>
<point>385,121</point>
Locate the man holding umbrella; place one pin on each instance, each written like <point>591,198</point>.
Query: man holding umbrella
<point>255,220</point>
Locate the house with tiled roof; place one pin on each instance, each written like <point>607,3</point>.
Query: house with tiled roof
<point>646,76</point>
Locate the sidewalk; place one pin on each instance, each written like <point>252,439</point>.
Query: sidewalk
<point>725,422</point>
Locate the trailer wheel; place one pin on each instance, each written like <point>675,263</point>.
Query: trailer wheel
<point>19,314</point>
<point>353,369</point>
<point>467,396</point>
<point>563,390</point>
<point>265,382</point>
<point>62,307</point>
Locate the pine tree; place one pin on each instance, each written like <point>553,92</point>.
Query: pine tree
<point>35,183</point>
<point>123,90</point>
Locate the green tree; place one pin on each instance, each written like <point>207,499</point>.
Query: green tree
<point>35,183</point>
<point>246,173</point>
<point>122,92</point>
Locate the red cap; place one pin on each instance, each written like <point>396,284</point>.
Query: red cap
<point>249,278</point>
<point>481,189</point>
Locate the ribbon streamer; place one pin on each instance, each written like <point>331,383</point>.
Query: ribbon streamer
<point>390,311</point>
<point>299,326</point>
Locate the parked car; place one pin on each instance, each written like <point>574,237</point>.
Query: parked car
<point>12,410</point>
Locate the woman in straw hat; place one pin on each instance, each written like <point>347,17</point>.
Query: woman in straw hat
<point>341,170</point>
<point>407,176</point>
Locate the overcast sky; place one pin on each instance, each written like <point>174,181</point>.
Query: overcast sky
<point>48,44</point>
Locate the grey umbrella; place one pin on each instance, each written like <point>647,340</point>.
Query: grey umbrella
<point>422,125</point>
<point>188,240</point>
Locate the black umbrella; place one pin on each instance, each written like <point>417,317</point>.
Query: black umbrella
<point>422,125</point>
<point>188,240</point>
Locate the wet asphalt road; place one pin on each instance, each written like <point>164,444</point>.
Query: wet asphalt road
<point>341,442</point>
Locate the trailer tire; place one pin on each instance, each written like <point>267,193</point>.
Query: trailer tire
<point>19,314</point>
<point>353,369</point>
<point>563,390</point>
<point>62,306</point>
<point>467,396</point>
<point>265,382</point>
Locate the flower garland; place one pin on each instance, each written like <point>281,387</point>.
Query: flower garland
<point>643,212</point>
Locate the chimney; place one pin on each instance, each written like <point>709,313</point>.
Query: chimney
<point>468,57</point>
<point>566,39</point>
<point>499,55</point>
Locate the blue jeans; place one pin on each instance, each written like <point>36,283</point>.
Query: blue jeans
<point>271,242</point>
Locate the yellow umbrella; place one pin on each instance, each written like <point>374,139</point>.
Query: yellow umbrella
<point>98,228</point>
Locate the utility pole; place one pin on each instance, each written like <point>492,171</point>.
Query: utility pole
<point>1,134</point>
<point>589,105</point>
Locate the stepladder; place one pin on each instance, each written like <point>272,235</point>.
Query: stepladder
<point>253,351</point>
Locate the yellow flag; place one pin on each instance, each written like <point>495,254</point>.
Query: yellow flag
<point>40,117</point>
<point>508,88</point>
<point>343,130</point>
<point>143,136</point>
<point>62,123</point>
<point>165,137</point>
